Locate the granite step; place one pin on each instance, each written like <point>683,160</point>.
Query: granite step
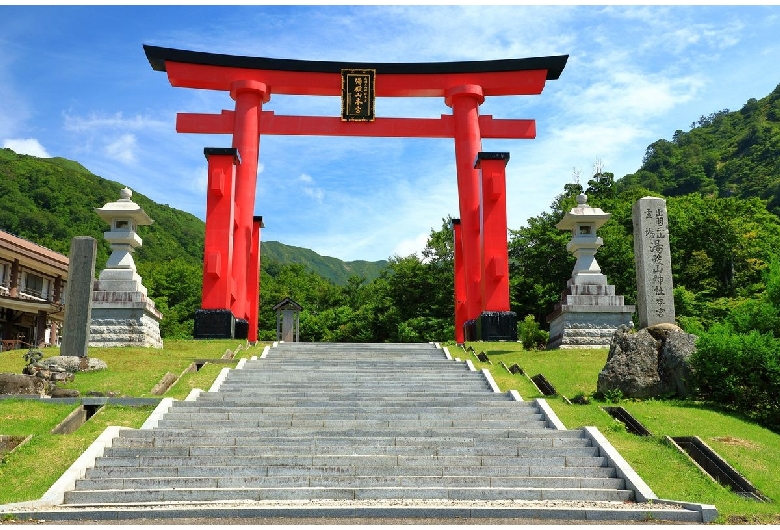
<point>166,495</point>
<point>351,423</point>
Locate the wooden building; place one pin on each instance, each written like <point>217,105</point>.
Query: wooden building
<point>32,286</point>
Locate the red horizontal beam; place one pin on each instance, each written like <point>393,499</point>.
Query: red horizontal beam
<point>271,124</point>
<point>523,82</point>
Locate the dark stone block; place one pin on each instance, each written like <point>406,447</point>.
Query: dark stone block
<point>470,331</point>
<point>214,324</point>
<point>515,369</point>
<point>482,356</point>
<point>544,386</point>
<point>242,328</point>
<point>494,326</point>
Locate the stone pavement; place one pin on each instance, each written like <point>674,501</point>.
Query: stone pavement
<point>335,431</point>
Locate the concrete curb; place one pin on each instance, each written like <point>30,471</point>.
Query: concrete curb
<point>219,380</point>
<point>218,511</point>
<point>56,493</point>
<point>641,489</point>
<point>552,419</point>
<point>643,493</point>
<point>491,383</point>
<point>515,395</point>
<point>157,414</point>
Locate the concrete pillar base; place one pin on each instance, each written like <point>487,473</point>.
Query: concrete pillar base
<point>214,324</point>
<point>494,326</point>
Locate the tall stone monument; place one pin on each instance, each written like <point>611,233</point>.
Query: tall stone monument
<point>589,311</point>
<point>78,296</point>
<point>654,361</point>
<point>122,313</point>
<point>655,297</point>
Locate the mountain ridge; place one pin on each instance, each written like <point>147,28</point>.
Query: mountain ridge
<point>48,201</point>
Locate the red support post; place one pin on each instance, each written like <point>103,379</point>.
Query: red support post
<point>460,283</point>
<point>253,278</point>
<point>496,322</point>
<point>249,97</point>
<point>465,101</point>
<point>493,231</point>
<point>218,245</point>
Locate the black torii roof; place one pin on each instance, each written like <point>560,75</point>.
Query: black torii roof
<point>157,56</point>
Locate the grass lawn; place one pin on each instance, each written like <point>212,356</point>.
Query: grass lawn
<point>28,471</point>
<point>752,450</point>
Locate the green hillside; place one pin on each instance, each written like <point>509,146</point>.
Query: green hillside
<point>333,269</point>
<point>727,154</point>
<point>51,200</point>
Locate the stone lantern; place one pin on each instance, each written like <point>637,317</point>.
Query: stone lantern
<point>583,222</point>
<point>589,311</point>
<point>124,217</point>
<point>122,313</point>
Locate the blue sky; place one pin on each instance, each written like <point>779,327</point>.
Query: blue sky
<point>75,83</point>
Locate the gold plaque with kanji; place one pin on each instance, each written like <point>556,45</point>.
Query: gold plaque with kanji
<point>357,94</point>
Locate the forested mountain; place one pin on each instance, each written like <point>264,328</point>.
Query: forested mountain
<point>51,200</point>
<point>721,181</point>
<point>727,154</point>
<point>338,271</point>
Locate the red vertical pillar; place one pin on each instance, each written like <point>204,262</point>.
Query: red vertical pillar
<point>253,278</point>
<point>460,283</point>
<point>493,240</point>
<point>249,97</point>
<point>218,246</point>
<point>465,101</point>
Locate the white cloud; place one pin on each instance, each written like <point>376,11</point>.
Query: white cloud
<point>315,193</point>
<point>26,146</point>
<point>116,121</point>
<point>409,246</point>
<point>122,149</point>
<point>308,188</point>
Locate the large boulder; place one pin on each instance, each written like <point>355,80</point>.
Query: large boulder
<point>73,364</point>
<point>652,362</point>
<point>20,385</point>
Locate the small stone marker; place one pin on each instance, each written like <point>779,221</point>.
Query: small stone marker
<point>78,297</point>
<point>655,297</point>
<point>482,356</point>
<point>515,369</point>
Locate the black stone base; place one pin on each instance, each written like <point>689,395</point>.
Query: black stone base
<point>494,326</point>
<point>214,324</point>
<point>470,331</point>
<point>242,329</point>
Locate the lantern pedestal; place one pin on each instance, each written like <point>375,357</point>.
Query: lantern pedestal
<point>589,311</point>
<point>122,313</point>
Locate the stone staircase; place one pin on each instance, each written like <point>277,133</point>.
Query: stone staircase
<point>356,425</point>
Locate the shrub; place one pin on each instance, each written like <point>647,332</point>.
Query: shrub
<point>531,336</point>
<point>740,371</point>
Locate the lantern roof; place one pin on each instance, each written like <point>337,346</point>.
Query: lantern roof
<point>582,213</point>
<point>124,208</point>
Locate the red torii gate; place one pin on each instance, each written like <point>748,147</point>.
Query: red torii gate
<point>231,264</point>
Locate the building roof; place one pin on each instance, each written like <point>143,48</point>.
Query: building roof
<point>35,256</point>
<point>288,303</point>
